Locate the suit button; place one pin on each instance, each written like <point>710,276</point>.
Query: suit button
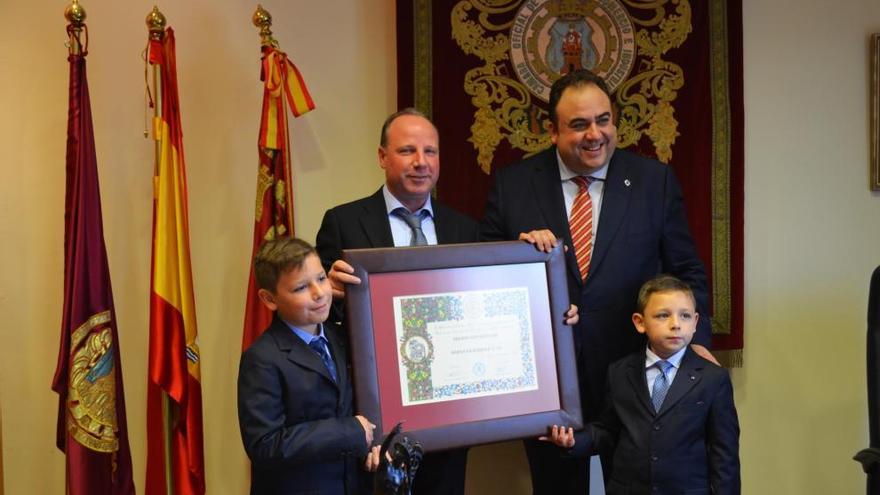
<point>656,427</point>
<point>654,458</point>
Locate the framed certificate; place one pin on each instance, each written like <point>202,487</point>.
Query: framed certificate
<point>465,343</point>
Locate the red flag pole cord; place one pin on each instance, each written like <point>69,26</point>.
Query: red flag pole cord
<point>156,25</point>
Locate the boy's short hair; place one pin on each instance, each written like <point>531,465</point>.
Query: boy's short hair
<point>278,256</point>
<point>662,283</point>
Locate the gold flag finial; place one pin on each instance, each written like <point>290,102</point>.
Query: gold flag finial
<point>263,20</point>
<point>156,23</point>
<point>75,14</point>
<point>76,19</point>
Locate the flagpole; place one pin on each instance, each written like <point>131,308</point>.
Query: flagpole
<point>76,16</point>
<point>156,25</point>
<point>263,20</point>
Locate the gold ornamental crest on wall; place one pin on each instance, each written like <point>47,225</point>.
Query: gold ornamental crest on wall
<point>550,39</point>
<point>621,40</point>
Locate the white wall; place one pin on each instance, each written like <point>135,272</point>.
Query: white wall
<point>345,51</point>
<point>811,223</point>
<point>812,240</point>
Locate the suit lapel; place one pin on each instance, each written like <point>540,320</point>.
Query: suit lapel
<point>443,228</point>
<point>548,191</point>
<point>635,373</point>
<point>374,222</point>
<point>615,200</point>
<point>297,351</point>
<point>688,376</point>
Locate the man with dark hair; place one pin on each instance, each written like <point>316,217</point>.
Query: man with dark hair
<point>401,213</point>
<point>622,220</point>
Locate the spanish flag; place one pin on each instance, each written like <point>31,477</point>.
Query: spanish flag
<point>175,457</point>
<point>92,429</point>
<point>282,85</point>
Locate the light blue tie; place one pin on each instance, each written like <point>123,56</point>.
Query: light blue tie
<point>319,345</point>
<point>414,220</point>
<point>661,385</point>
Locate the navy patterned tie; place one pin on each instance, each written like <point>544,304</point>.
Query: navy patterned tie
<point>415,224</point>
<point>661,385</point>
<point>319,345</point>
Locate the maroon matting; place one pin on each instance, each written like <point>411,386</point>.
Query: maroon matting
<point>386,286</point>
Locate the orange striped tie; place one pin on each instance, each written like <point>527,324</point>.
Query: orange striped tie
<point>581,225</point>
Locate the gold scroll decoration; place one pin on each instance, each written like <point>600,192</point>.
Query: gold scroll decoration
<point>547,38</point>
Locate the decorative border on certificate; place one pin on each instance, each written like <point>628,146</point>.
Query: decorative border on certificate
<point>464,344</point>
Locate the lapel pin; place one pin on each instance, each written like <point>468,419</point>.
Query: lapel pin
<point>626,182</point>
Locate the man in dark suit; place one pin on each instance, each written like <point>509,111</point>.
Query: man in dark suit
<point>401,213</point>
<point>631,225</point>
<point>669,414</point>
<point>294,392</point>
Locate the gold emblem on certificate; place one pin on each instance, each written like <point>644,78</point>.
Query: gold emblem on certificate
<point>460,345</point>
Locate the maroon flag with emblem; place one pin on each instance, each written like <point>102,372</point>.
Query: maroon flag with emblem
<point>92,428</point>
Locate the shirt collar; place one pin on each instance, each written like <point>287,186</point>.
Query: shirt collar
<point>391,203</point>
<point>306,336</point>
<point>566,173</point>
<point>675,359</point>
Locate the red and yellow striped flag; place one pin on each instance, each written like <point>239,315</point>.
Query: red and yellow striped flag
<point>283,85</point>
<point>175,456</point>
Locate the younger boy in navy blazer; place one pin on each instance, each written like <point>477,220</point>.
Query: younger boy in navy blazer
<point>668,414</point>
<point>294,393</point>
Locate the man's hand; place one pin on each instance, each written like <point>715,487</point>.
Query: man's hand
<point>571,316</point>
<point>561,436</point>
<point>341,274</point>
<point>704,353</point>
<point>368,428</point>
<point>543,240</point>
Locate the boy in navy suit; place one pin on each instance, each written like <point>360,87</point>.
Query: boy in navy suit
<point>294,393</point>
<point>668,414</point>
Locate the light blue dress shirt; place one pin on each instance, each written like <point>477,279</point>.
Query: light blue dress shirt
<point>400,231</point>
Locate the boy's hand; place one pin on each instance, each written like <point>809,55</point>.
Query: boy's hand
<point>561,436</point>
<point>372,462</point>
<point>543,240</point>
<point>368,428</point>
<point>341,274</point>
<point>571,316</point>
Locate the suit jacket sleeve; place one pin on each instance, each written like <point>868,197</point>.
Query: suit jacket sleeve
<point>722,434</point>
<point>600,435</point>
<point>493,227</point>
<point>679,256</point>
<point>271,438</point>
<point>328,242</point>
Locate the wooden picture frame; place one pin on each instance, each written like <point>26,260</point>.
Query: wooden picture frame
<point>390,378</point>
